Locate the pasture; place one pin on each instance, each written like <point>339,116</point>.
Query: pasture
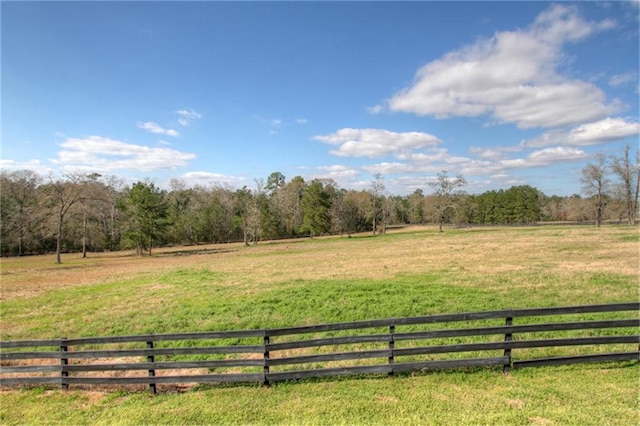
<point>408,272</point>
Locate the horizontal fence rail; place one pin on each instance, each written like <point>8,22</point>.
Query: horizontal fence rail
<point>505,339</point>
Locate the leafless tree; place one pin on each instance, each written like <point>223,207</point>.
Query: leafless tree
<point>447,193</point>
<point>596,184</point>
<point>377,202</point>
<point>629,174</point>
<point>62,193</point>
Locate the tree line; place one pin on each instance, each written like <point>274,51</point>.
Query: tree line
<point>81,212</point>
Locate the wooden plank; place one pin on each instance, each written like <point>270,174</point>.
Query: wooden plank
<point>164,337</point>
<point>461,347</point>
<point>166,365</point>
<point>30,343</point>
<point>528,328</point>
<point>385,323</point>
<point>386,369</point>
<point>329,341</point>
<point>328,372</point>
<point>166,351</point>
<point>208,378</point>
<point>575,341</point>
<point>611,357</point>
<point>383,353</point>
<point>28,355</point>
<point>448,364</point>
<point>31,381</point>
<point>330,327</point>
<point>30,369</point>
<point>515,344</point>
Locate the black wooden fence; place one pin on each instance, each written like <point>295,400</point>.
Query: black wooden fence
<point>504,339</point>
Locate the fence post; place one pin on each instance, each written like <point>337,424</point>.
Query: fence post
<point>507,338</point>
<point>152,371</point>
<point>265,355</point>
<point>63,362</point>
<point>392,330</point>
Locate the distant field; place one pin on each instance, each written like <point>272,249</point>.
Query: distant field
<point>409,272</point>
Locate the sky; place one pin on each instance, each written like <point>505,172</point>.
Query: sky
<point>225,93</point>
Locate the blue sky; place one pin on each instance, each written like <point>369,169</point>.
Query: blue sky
<point>504,93</point>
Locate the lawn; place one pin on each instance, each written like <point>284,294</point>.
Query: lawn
<point>408,272</point>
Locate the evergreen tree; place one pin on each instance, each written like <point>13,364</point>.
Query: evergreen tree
<point>316,204</point>
<point>147,210</point>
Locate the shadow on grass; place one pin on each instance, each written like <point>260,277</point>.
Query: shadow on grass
<point>171,388</point>
<point>192,252</point>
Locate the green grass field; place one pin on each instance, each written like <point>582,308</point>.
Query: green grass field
<point>410,272</point>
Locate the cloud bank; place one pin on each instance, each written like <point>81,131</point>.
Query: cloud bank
<point>512,77</point>
<point>104,154</point>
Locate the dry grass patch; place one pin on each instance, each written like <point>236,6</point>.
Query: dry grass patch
<point>563,250</point>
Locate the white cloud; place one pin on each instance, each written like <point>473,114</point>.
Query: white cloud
<point>376,109</point>
<point>301,121</point>
<point>35,165</point>
<point>337,172</point>
<point>100,153</point>
<point>492,153</point>
<point>441,159</point>
<point>393,168</point>
<point>376,142</point>
<point>208,178</point>
<point>511,77</point>
<point>545,157</point>
<point>187,116</point>
<point>274,124</point>
<point>156,128</point>
<point>622,79</point>
<point>599,132</point>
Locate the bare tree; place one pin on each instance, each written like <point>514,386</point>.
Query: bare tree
<point>377,202</point>
<point>629,174</point>
<point>249,214</point>
<point>255,216</point>
<point>287,202</point>
<point>62,193</point>
<point>89,203</point>
<point>595,184</point>
<point>114,190</point>
<point>447,194</point>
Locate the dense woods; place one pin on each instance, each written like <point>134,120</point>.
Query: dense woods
<point>79,212</point>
